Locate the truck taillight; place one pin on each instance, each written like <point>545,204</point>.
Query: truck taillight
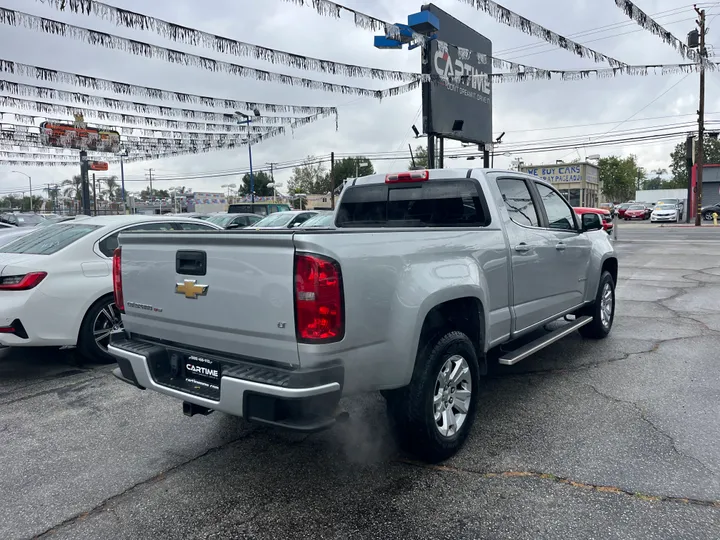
<point>319,310</point>
<point>410,176</point>
<point>117,279</point>
<point>23,282</point>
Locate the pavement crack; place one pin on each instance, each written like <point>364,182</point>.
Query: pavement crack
<point>653,425</point>
<point>565,481</point>
<point>103,505</point>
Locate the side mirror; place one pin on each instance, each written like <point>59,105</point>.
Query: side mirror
<point>295,225</point>
<point>233,226</point>
<point>591,222</point>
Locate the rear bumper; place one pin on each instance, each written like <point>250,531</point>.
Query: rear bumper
<point>297,400</point>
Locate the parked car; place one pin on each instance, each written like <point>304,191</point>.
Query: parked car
<point>284,220</point>
<point>56,282</point>
<point>679,203</point>
<point>234,221</point>
<point>262,208</point>
<point>425,272</point>
<point>665,212</point>
<point>321,220</point>
<point>637,211</point>
<point>605,215</point>
<point>20,219</point>
<point>622,208</point>
<point>708,211</point>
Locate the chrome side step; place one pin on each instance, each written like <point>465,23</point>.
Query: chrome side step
<point>531,348</point>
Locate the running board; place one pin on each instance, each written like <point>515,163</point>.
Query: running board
<point>523,352</point>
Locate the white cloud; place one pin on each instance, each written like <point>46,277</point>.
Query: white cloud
<point>520,109</point>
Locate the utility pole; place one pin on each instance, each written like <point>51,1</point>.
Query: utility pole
<point>332,180</point>
<point>272,179</point>
<point>94,195</point>
<point>151,189</point>
<point>701,117</point>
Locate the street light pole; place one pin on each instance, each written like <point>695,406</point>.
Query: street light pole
<point>30,181</point>
<point>247,121</point>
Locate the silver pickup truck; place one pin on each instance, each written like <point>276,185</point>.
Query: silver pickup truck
<point>425,274</point>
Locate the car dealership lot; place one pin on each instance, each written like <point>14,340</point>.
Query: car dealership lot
<point>611,439</point>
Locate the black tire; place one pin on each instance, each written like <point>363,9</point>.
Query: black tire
<point>411,410</point>
<point>599,328</point>
<point>88,347</point>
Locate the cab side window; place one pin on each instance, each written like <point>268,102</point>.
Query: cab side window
<point>559,213</point>
<point>518,201</point>
<point>108,245</point>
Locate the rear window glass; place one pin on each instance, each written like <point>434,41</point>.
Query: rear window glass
<point>49,240</point>
<point>442,203</point>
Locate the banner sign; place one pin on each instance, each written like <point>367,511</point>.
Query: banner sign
<point>98,166</point>
<point>79,138</point>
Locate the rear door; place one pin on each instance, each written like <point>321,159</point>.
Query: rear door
<point>225,292</point>
<point>569,249</point>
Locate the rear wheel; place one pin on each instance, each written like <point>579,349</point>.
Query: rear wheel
<point>433,415</point>
<point>602,310</point>
<point>102,319</point>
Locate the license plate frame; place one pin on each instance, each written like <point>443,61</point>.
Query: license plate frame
<point>202,374</point>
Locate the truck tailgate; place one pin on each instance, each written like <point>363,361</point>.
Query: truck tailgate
<point>241,302</point>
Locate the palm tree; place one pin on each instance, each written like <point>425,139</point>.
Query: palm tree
<point>113,188</point>
<point>73,187</point>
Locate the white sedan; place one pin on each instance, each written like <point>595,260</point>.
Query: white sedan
<point>665,212</point>
<point>56,285</point>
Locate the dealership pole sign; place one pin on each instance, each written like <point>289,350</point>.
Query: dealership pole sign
<point>79,136</point>
<point>457,102</point>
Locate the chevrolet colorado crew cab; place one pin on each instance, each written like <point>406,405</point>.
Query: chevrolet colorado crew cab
<point>424,274</point>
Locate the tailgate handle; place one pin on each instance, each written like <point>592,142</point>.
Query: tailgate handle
<point>191,263</point>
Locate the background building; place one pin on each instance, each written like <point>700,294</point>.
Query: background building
<point>578,182</point>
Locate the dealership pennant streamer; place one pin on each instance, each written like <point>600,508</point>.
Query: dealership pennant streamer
<point>647,23</point>
<point>362,20</point>
<point>68,111</point>
<point>198,38</point>
<point>602,73</point>
<point>32,135</point>
<point>105,85</point>
<point>507,17</point>
<point>498,12</point>
<point>140,48</point>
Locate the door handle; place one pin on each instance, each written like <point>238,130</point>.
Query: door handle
<point>560,247</point>
<point>522,248</point>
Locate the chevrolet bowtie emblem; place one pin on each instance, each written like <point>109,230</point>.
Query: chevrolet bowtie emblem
<point>191,289</point>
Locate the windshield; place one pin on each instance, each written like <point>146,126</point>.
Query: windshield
<point>637,207</point>
<point>28,220</point>
<point>320,220</point>
<point>221,220</point>
<point>279,219</point>
<point>49,240</point>
<point>667,206</point>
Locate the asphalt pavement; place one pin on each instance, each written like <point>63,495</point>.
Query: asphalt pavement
<point>610,439</point>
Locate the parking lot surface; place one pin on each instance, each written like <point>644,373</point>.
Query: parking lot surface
<point>609,439</point>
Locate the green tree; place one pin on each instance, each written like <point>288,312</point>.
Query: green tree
<point>308,177</point>
<point>678,167</point>
<point>619,177</point>
<point>261,180</point>
<point>157,193</point>
<point>112,188</point>
<point>72,187</point>
<point>352,167</point>
<point>421,157</point>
